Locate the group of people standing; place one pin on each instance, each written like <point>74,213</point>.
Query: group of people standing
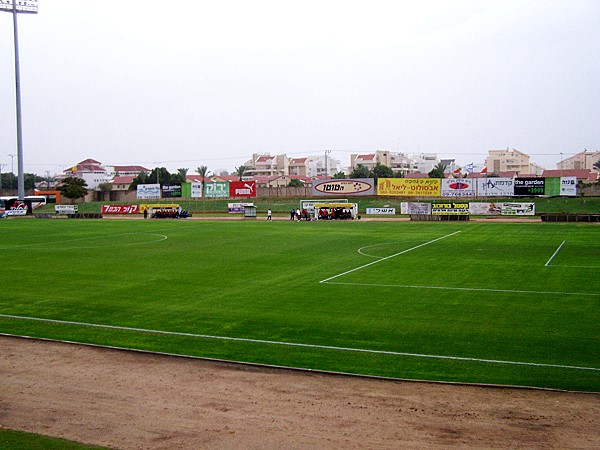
<point>296,214</point>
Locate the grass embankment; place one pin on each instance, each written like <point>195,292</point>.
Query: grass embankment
<point>282,206</point>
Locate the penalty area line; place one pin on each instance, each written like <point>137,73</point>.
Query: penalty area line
<point>295,344</point>
<point>448,288</point>
<point>388,257</point>
<point>555,253</point>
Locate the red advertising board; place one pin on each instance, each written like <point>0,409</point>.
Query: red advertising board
<point>120,209</point>
<point>242,188</point>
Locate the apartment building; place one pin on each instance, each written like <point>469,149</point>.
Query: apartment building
<point>511,161</point>
<point>267,165</point>
<point>398,162</point>
<point>581,160</point>
<point>425,162</point>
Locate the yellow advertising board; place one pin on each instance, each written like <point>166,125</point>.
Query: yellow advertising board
<point>409,187</point>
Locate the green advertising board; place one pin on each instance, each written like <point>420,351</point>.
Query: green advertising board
<point>552,187</point>
<point>217,189</point>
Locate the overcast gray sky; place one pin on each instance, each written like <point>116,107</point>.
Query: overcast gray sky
<point>190,83</point>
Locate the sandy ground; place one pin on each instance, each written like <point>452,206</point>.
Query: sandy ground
<point>124,399</point>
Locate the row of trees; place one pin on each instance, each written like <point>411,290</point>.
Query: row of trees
<point>10,181</point>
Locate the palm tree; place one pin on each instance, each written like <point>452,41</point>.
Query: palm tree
<point>203,172</point>
<point>182,174</point>
<point>240,171</point>
<point>438,171</point>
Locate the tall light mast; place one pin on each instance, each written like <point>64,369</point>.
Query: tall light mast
<point>15,7</point>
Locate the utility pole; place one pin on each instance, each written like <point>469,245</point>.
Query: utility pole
<point>24,6</point>
<point>12,164</point>
<point>2,166</point>
<point>327,152</point>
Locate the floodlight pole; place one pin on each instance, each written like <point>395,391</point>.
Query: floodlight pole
<point>26,6</point>
<point>20,180</point>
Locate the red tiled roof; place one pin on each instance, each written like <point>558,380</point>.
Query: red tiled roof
<point>265,159</point>
<point>365,157</point>
<point>581,174</point>
<point>123,180</point>
<point>298,160</point>
<point>86,168</point>
<point>510,174</point>
<point>89,161</point>
<point>131,169</point>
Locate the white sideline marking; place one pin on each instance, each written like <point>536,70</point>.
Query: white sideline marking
<point>293,344</point>
<point>508,291</point>
<point>555,253</point>
<point>388,257</point>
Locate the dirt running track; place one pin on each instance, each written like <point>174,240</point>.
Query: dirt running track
<point>131,400</point>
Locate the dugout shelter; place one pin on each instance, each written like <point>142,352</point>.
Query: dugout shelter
<point>335,211</point>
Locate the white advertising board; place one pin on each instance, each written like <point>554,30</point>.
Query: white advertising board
<point>415,208</point>
<point>65,209</point>
<point>381,210</point>
<point>196,190</point>
<point>484,209</point>
<point>461,187</point>
<point>495,187</point>
<point>517,209</point>
<point>14,212</point>
<point>148,191</point>
<point>568,186</point>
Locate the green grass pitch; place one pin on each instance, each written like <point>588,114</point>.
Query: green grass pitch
<point>502,303</point>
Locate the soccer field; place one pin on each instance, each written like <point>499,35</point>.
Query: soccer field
<point>503,303</point>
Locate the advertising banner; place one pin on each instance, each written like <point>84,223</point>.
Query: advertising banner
<point>376,211</point>
<point>462,187</point>
<point>517,209</point>
<point>13,212</point>
<point>235,207</point>
<point>451,208</point>
<point>529,186</point>
<point>120,209</point>
<point>357,186</point>
<point>148,191</point>
<point>171,191</point>
<point>242,189</point>
<point>415,208</point>
<point>158,206</point>
<point>568,186</point>
<point>65,209</point>
<point>495,187</point>
<point>552,186</point>
<point>195,190</point>
<point>218,189</point>
<point>484,209</point>
<point>409,187</point>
